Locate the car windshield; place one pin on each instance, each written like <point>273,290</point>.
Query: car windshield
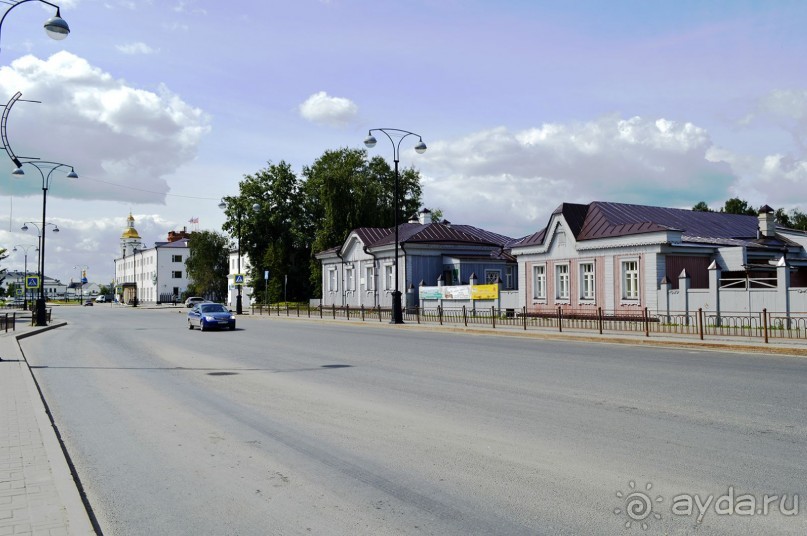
<point>212,308</point>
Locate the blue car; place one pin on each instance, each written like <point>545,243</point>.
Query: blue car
<point>209,315</point>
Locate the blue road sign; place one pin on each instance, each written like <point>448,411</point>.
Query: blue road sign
<point>239,279</point>
<point>32,281</point>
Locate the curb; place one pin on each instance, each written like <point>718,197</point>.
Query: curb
<point>66,481</point>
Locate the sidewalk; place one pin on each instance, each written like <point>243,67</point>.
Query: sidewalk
<point>38,496</point>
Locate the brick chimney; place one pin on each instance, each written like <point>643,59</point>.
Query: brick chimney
<point>173,236</point>
<point>767,222</point>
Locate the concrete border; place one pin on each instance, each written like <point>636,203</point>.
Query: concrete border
<point>80,518</point>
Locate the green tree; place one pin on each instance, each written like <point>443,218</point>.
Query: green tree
<point>208,264</point>
<point>343,190</point>
<point>273,236</point>
<point>701,206</point>
<point>735,205</point>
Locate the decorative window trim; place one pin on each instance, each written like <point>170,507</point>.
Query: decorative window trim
<point>587,278</point>
<point>369,275</point>
<point>489,273</point>
<point>562,294</point>
<point>539,297</point>
<point>628,292</point>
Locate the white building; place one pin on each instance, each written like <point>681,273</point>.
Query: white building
<point>232,289</point>
<point>155,274</point>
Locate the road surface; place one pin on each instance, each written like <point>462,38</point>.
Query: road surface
<point>310,427</point>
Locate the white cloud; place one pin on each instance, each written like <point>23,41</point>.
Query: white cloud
<point>107,129</point>
<point>510,181</point>
<point>322,108</point>
<point>136,48</point>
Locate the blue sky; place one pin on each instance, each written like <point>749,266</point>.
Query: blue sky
<point>163,106</point>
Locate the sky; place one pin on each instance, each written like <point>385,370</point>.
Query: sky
<point>163,106</point>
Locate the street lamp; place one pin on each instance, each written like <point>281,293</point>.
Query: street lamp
<point>41,314</point>
<point>239,213</point>
<point>81,280</point>
<point>25,248</point>
<point>420,148</point>
<point>56,27</point>
<point>39,232</point>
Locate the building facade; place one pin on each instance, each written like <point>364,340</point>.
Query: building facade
<point>155,274</point>
<point>361,271</point>
<point>624,258</point>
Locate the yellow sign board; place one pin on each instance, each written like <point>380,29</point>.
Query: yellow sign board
<point>484,292</point>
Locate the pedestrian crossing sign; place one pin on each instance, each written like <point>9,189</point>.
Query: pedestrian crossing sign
<point>32,281</point>
<point>239,280</point>
<point>19,292</point>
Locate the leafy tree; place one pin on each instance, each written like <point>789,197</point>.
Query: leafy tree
<point>782,218</point>
<point>273,236</point>
<point>437,214</point>
<point>735,205</point>
<point>344,190</point>
<point>208,264</point>
<point>701,206</point>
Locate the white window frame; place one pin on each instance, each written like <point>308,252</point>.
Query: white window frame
<point>350,278</point>
<point>176,258</point>
<point>588,284</point>
<point>369,277</point>
<point>508,278</point>
<point>538,281</point>
<point>176,274</point>
<point>562,282</point>
<point>333,280</point>
<point>389,277</point>
<point>630,279</point>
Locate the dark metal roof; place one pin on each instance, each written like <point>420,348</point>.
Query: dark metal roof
<point>607,220</point>
<point>371,235</point>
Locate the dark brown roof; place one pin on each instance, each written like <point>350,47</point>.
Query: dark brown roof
<point>607,220</point>
<point>371,235</point>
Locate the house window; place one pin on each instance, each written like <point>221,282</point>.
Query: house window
<point>177,274</point>
<point>630,280</point>
<point>508,278</point>
<point>492,276</point>
<point>388,284</point>
<point>587,281</point>
<point>350,280</point>
<point>562,281</point>
<point>539,282</point>
<point>369,274</point>
<point>332,280</point>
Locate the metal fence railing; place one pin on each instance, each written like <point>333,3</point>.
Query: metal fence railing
<point>763,325</point>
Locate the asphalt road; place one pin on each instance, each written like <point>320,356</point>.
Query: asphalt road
<point>308,427</point>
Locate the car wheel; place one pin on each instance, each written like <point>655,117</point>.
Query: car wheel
<point>202,325</point>
<point>190,324</point>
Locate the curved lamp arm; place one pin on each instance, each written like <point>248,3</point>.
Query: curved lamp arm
<point>56,27</point>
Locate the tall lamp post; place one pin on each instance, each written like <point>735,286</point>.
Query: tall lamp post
<point>81,280</point>
<point>25,248</point>
<point>41,314</point>
<point>39,232</point>
<point>239,214</point>
<point>55,27</point>
<point>420,148</point>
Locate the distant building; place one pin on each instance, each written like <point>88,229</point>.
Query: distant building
<point>232,289</point>
<point>155,274</point>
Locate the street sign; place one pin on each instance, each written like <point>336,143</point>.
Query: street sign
<point>239,280</point>
<point>32,281</point>
<point>266,274</point>
<point>19,292</point>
